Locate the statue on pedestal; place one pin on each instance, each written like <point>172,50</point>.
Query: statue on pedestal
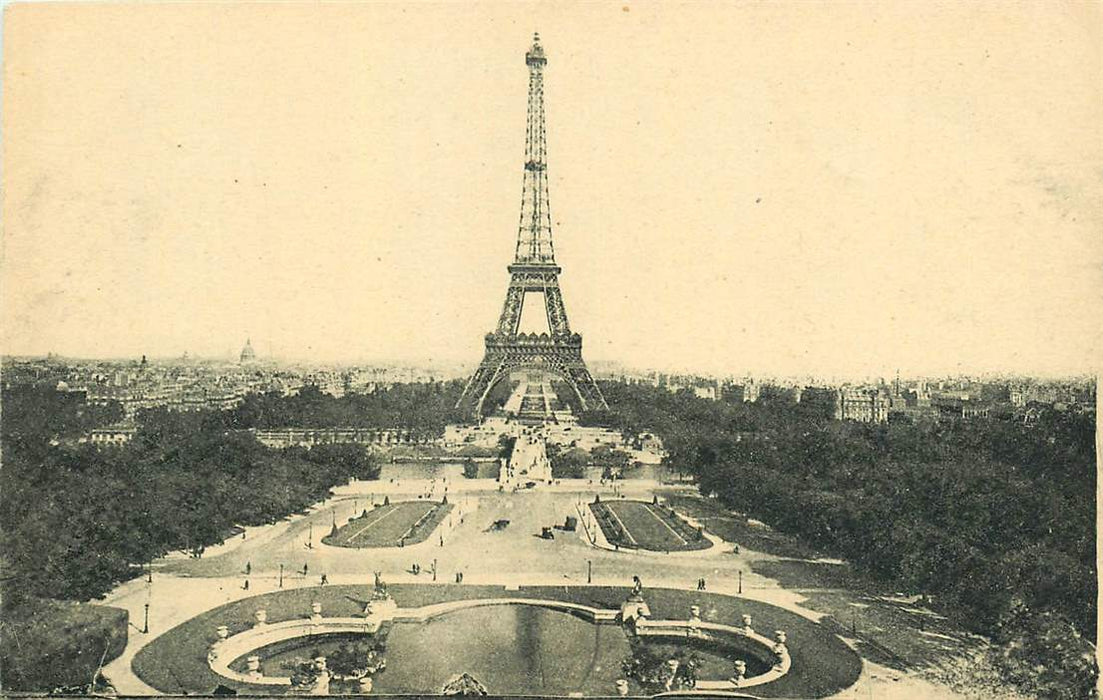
<point>380,590</point>
<point>634,607</point>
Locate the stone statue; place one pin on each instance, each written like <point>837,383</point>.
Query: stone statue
<point>637,585</point>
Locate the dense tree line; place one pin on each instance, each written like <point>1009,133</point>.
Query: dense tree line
<point>75,520</point>
<point>567,462</point>
<point>994,519</point>
<point>571,462</point>
<point>422,409</point>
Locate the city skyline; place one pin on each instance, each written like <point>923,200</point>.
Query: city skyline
<point>345,188</point>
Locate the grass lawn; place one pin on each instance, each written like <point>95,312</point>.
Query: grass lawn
<point>641,525</point>
<point>735,528</point>
<point>49,643</point>
<point>176,662</point>
<point>408,522</point>
<point>488,470</point>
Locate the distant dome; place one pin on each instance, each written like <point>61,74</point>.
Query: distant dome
<point>247,352</point>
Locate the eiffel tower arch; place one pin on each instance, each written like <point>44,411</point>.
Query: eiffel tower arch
<point>558,351</point>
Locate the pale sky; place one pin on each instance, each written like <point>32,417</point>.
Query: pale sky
<point>787,188</point>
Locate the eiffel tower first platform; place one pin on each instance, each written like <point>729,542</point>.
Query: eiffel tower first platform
<point>559,351</point>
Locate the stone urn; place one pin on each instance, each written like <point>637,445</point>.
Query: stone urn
<point>365,685</point>
<point>695,613</point>
<point>252,665</point>
<point>740,671</point>
<point>223,631</point>
<point>315,612</point>
<point>261,617</point>
<point>747,629</point>
<point>622,687</point>
<point>780,639</point>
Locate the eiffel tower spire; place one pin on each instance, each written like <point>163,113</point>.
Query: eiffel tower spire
<point>559,351</point>
<point>534,239</point>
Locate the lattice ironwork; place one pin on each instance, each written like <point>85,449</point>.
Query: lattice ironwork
<point>559,351</point>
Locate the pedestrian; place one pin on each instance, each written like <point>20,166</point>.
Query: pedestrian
<point>461,577</point>
<point>248,568</point>
<point>325,580</point>
<point>306,568</point>
<point>246,586</point>
<point>702,584</point>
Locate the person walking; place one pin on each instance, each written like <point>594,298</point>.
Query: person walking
<point>325,579</point>
<point>248,568</point>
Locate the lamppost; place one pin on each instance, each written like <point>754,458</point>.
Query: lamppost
<point>434,569</point>
<point>281,575</point>
<point>741,581</point>
<point>149,572</point>
<point>589,571</point>
<point>145,626</point>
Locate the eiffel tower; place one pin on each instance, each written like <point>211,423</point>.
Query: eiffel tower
<point>559,351</point>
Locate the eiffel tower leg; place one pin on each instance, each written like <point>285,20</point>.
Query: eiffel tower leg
<point>471,401</point>
<point>557,312</point>
<point>587,389</point>
<point>510,319</point>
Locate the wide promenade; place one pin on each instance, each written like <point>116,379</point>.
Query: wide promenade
<point>276,556</point>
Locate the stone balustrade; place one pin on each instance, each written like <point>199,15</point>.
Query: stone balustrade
<point>770,652</point>
<point>225,651</point>
<point>743,640</point>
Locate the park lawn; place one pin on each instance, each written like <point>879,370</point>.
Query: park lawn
<point>488,470</point>
<point>393,525</point>
<point>650,527</point>
<point>735,528</point>
<point>176,662</point>
<point>50,643</point>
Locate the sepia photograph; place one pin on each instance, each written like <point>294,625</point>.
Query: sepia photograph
<point>551,349</point>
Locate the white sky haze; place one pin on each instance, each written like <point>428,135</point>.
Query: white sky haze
<point>770,188</point>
